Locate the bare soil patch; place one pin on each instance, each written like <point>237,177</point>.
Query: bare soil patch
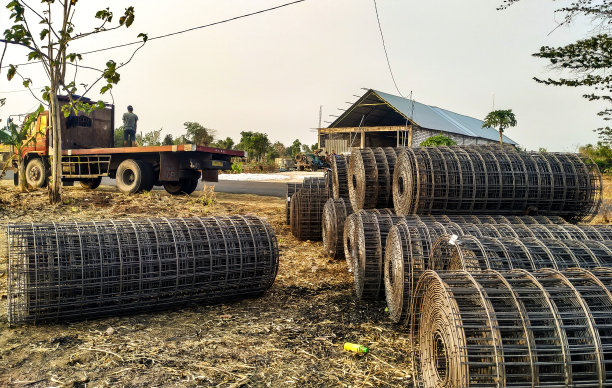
<point>292,336</point>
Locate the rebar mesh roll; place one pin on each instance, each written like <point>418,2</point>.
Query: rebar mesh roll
<point>335,213</point>
<point>292,188</point>
<point>339,166</point>
<point>370,177</point>
<point>404,260</point>
<point>513,329</point>
<point>77,270</point>
<point>495,180</point>
<point>307,212</point>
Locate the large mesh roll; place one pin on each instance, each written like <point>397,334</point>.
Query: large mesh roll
<point>512,329</point>
<point>335,213</point>
<point>363,179</point>
<point>87,269</point>
<point>495,180</point>
<point>339,167</point>
<point>307,212</point>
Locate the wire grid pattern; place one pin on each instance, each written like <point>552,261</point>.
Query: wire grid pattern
<point>292,188</point>
<point>335,213</point>
<point>495,180</point>
<point>307,213</point>
<point>478,253</point>
<point>76,270</point>
<point>339,168</point>
<point>404,261</point>
<point>513,328</point>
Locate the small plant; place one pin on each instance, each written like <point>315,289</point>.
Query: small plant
<point>236,168</point>
<point>438,141</point>
<point>208,196</point>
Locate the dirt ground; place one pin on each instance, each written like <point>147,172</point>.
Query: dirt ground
<point>292,336</point>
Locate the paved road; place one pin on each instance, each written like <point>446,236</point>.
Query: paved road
<point>273,189</point>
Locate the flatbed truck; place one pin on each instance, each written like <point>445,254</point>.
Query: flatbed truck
<point>88,155</point>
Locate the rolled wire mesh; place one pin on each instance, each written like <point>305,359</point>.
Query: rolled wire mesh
<point>516,246</point>
<point>363,179</point>
<point>307,212</point>
<point>292,188</point>
<point>495,181</point>
<point>473,253</point>
<point>339,167</point>
<point>77,270</point>
<point>328,178</point>
<point>512,329</point>
<point>335,213</point>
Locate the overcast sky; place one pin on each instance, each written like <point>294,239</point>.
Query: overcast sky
<point>271,72</point>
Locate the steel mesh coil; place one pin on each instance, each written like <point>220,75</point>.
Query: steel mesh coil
<point>339,167</point>
<point>474,253</point>
<point>424,233</point>
<point>307,212</point>
<point>495,180</point>
<point>328,178</point>
<point>513,329</point>
<point>292,188</point>
<point>76,270</point>
<point>335,213</point>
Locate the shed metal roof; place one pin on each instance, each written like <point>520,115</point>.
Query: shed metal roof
<point>377,108</point>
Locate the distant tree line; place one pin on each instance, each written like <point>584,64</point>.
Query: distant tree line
<point>257,144</point>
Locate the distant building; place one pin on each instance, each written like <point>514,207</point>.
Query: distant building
<point>379,119</point>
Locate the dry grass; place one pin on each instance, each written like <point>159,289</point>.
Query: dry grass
<point>292,336</point>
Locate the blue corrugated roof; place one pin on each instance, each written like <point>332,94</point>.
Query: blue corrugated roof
<point>431,117</point>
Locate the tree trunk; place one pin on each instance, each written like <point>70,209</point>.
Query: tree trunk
<point>501,136</point>
<point>21,172</point>
<point>55,186</point>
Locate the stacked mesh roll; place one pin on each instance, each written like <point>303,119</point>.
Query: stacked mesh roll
<point>370,176</point>
<point>513,329</point>
<point>339,168</point>
<point>307,213</point>
<point>292,188</point>
<point>495,180</point>
<point>78,270</point>
<point>335,213</point>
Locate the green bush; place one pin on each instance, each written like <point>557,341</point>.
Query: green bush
<point>236,168</point>
<point>601,155</point>
<point>438,141</point>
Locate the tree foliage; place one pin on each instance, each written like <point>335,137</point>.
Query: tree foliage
<point>500,119</point>
<point>198,134</point>
<point>585,63</point>
<point>168,140</point>
<point>152,138</point>
<point>295,148</point>
<point>438,141</point>
<point>255,143</point>
<point>226,144</point>
<point>601,154</point>
<point>47,32</point>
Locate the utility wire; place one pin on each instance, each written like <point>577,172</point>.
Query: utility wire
<point>182,31</point>
<point>382,37</point>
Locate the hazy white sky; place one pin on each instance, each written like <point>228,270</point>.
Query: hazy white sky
<point>271,72</point>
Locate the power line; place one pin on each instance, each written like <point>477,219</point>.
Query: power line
<point>382,37</point>
<point>183,31</point>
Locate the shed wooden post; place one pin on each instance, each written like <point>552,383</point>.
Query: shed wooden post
<point>410,136</point>
<point>362,138</point>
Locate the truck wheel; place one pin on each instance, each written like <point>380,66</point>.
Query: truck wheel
<point>131,176</point>
<point>183,186</point>
<point>148,179</point>
<point>36,173</point>
<point>92,183</point>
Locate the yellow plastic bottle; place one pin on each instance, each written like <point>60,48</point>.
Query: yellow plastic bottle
<point>355,348</point>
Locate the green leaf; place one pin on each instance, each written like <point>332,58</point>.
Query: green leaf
<point>144,36</point>
<point>11,72</point>
<point>44,33</point>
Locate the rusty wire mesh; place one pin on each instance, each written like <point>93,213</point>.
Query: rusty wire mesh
<point>86,269</point>
<point>339,168</point>
<point>513,329</point>
<point>307,213</point>
<point>335,213</point>
<point>292,188</point>
<point>495,180</point>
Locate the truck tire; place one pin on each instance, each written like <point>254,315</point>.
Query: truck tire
<point>148,172</point>
<point>132,176</point>
<point>183,186</point>
<point>37,175</point>
<point>92,183</point>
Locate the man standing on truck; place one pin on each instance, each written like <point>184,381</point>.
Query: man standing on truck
<point>130,121</point>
